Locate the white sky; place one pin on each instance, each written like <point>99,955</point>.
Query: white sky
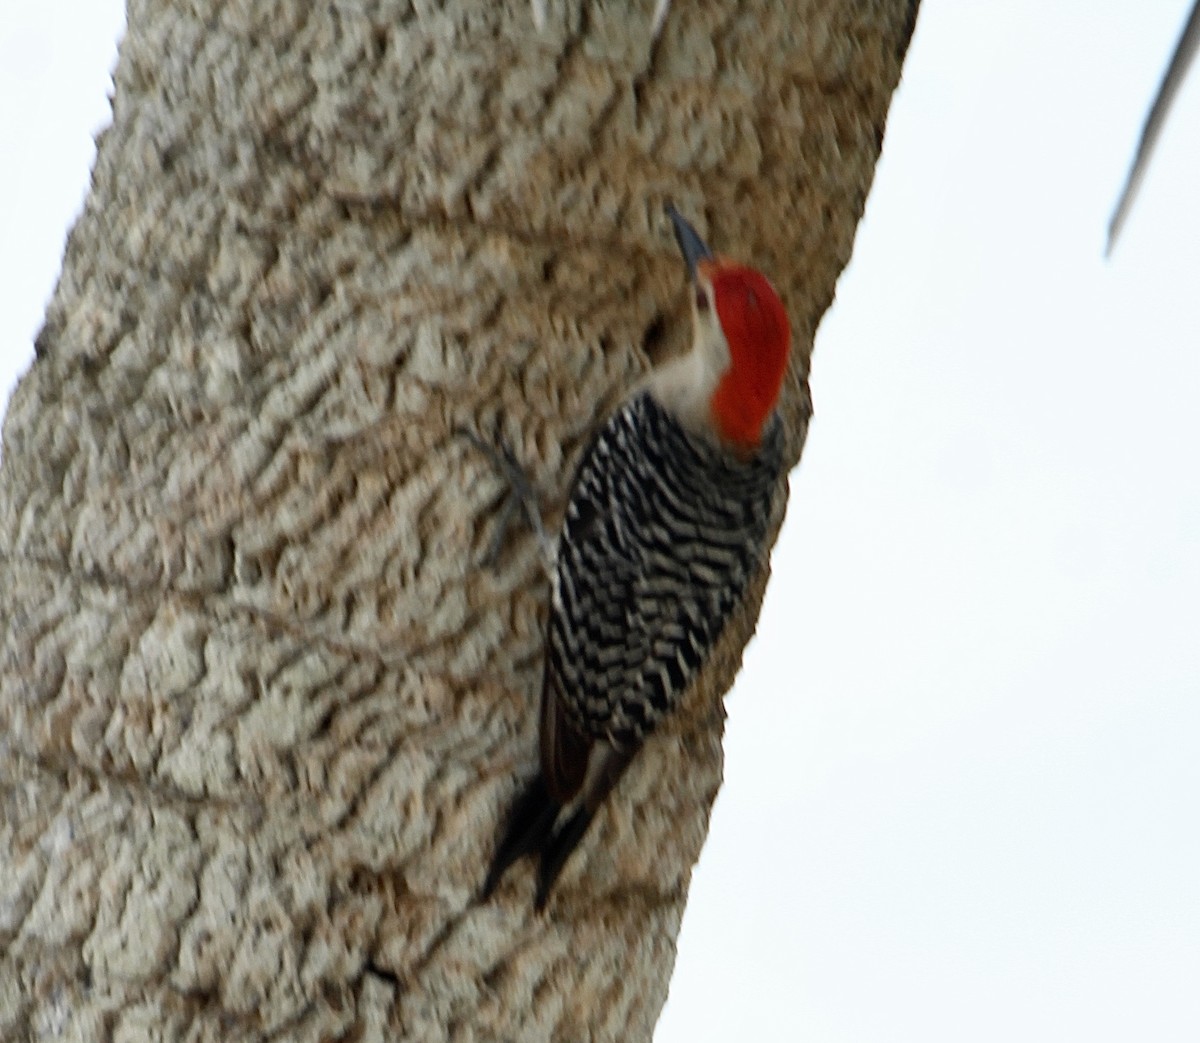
<point>963,775</point>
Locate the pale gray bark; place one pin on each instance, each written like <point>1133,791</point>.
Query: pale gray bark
<point>261,708</point>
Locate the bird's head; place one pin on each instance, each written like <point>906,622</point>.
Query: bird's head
<point>741,336</point>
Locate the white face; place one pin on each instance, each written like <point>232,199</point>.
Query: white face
<point>708,340</point>
<point>685,385</point>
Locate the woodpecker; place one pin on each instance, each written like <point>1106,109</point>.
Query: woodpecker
<point>665,525</point>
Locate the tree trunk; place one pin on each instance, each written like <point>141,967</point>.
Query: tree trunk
<point>262,706</point>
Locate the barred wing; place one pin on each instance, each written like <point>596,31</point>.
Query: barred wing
<point>662,533</point>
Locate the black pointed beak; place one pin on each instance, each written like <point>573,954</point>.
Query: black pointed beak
<point>693,248</point>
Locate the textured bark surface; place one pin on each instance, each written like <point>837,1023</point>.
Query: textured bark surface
<point>261,708</point>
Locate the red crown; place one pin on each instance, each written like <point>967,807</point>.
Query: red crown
<point>756,328</point>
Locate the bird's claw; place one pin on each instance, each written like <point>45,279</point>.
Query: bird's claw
<point>520,495</point>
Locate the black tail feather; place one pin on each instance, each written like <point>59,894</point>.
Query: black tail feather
<point>530,828</point>
<point>557,850</point>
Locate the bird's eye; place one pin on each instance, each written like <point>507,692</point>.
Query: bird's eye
<point>701,301</point>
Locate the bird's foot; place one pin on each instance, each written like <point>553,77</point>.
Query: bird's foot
<point>520,495</point>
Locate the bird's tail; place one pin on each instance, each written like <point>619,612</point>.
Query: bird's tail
<point>530,827</point>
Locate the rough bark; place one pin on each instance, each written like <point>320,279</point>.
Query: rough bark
<point>261,707</point>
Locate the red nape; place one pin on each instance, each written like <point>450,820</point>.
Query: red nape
<point>756,327</point>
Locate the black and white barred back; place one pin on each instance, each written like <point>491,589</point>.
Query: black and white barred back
<point>662,533</point>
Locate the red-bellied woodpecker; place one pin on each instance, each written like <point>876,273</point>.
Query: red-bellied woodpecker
<point>665,526</point>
